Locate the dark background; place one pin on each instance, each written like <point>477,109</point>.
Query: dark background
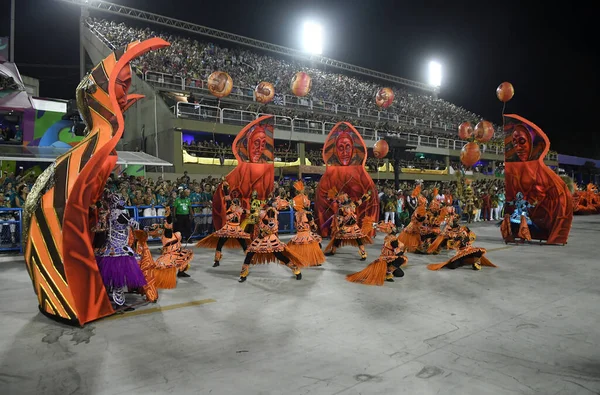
<point>546,52</point>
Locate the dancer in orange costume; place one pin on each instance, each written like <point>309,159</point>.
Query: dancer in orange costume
<point>267,247</point>
<point>306,244</point>
<point>466,254</point>
<point>174,260</point>
<point>231,235</point>
<point>411,234</point>
<point>147,264</point>
<point>389,263</point>
<point>346,230</point>
<point>449,232</point>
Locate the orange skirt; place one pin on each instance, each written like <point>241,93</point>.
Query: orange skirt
<point>308,249</point>
<point>265,257</point>
<point>466,256</point>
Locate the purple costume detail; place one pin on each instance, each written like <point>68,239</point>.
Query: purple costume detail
<point>116,260</point>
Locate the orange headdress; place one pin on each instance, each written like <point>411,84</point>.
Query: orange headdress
<point>299,186</point>
<point>417,191</point>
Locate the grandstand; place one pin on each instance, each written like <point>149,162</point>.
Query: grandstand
<point>184,109</point>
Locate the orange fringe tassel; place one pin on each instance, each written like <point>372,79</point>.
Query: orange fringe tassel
<point>165,278</point>
<point>524,230</point>
<point>505,229</point>
<point>411,241</point>
<point>373,274</point>
<point>486,262</point>
<point>212,240</point>
<point>348,242</point>
<point>309,254</point>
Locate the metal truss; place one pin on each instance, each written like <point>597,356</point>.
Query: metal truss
<point>104,6</point>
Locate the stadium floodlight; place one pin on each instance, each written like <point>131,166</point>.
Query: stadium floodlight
<point>312,38</point>
<point>435,74</point>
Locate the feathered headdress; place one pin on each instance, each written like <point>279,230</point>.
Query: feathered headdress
<point>299,186</point>
<point>436,191</point>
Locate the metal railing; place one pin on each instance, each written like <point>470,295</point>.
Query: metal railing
<point>180,83</point>
<point>11,224</point>
<point>202,112</point>
<point>10,229</point>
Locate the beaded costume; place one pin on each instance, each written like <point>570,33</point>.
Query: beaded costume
<point>389,263</point>
<point>116,259</point>
<point>231,235</point>
<point>267,247</point>
<point>466,253</point>
<point>306,243</point>
<point>346,230</point>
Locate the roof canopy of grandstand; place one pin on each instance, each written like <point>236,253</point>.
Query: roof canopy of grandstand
<point>49,154</point>
<point>13,95</point>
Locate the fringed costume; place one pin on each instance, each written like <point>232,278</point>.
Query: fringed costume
<point>116,260</point>
<point>267,247</point>
<point>466,254</point>
<point>430,228</point>
<point>446,237</point>
<point>389,263</point>
<point>306,244</point>
<point>587,201</point>
<point>345,228</point>
<point>174,260</point>
<point>516,225</point>
<point>411,234</point>
<point>231,235</point>
<point>147,264</point>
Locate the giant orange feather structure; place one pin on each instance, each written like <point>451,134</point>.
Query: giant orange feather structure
<point>57,225</point>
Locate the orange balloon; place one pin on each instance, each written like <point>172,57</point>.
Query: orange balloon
<point>465,130</point>
<point>505,91</point>
<point>264,92</point>
<point>301,84</point>
<point>470,154</point>
<point>381,149</point>
<point>220,84</point>
<point>384,97</point>
<point>484,131</point>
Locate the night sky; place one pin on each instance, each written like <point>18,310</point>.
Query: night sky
<point>546,53</point>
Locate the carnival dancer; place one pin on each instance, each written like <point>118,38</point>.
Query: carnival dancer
<point>267,247</point>
<point>345,228</point>
<point>147,264</point>
<point>466,254</point>
<point>519,221</point>
<point>231,235</point>
<point>116,260</point>
<point>430,228</point>
<point>306,244</point>
<point>389,263</point>
<point>174,260</point>
<point>449,230</point>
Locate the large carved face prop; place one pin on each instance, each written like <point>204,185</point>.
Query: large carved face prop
<point>521,140</point>
<point>123,84</point>
<point>344,149</point>
<point>256,145</point>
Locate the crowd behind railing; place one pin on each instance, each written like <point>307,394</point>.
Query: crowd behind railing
<point>187,63</point>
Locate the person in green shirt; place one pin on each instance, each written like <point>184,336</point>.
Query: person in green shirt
<point>183,223</point>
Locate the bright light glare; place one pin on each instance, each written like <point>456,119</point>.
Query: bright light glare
<point>312,38</point>
<point>435,74</point>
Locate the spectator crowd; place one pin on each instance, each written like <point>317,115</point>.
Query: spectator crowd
<point>195,60</point>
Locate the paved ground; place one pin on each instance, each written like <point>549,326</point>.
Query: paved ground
<point>531,326</point>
